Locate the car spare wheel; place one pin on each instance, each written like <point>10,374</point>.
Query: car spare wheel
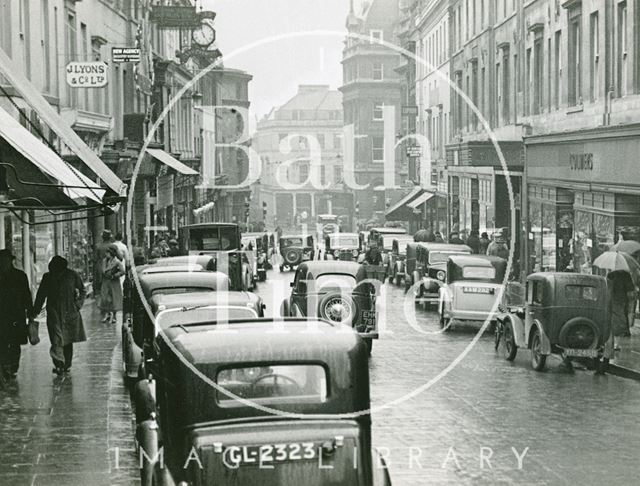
<point>291,256</point>
<point>337,307</point>
<point>578,333</point>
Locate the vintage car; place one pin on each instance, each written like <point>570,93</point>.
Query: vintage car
<point>473,285</point>
<point>269,408</point>
<point>327,224</point>
<point>562,313</point>
<point>426,265</point>
<point>336,291</point>
<point>295,249</point>
<point>207,262</point>
<point>155,280</point>
<point>396,258</point>
<point>342,246</point>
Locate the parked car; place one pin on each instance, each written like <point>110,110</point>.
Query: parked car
<point>396,260</point>
<point>336,291</point>
<point>563,313</point>
<point>473,284</point>
<point>342,246</point>
<point>296,249</point>
<point>275,409</point>
<point>426,264</point>
<point>155,280</point>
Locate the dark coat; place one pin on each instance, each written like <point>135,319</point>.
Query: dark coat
<point>65,293</point>
<point>16,305</point>
<point>473,242</point>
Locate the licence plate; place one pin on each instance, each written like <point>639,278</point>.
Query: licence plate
<point>369,318</point>
<point>268,454</point>
<point>477,290</point>
<point>581,353</point>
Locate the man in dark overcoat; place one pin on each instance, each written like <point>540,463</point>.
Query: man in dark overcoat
<point>15,306</point>
<point>64,292</point>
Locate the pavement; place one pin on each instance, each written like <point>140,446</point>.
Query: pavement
<point>69,430</point>
<point>627,360</point>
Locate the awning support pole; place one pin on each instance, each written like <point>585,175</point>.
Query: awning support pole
<point>26,247</point>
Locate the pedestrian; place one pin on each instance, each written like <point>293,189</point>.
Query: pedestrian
<point>174,248</point>
<point>439,238</point>
<point>373,256</point>
<point>454,239</point>
<point>111,296</point>
<point>138,257</point>
<point>100,253</point>
<point>17,305</point>
<point>122,249</point>
<point>63,290</point>
<point>498,247</point>
<point>473,242</point>
<point>484,243</point>
<point>623,294</point>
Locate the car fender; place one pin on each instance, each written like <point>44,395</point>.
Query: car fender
<point>284,308</point>
<point>444,297</point>
<point>545,345</point>
<point>518,329</point>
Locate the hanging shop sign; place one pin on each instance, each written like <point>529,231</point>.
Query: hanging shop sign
<point>174,17</point>
<point>409,111</point>
<point>87,74</point>
<point>125,54</point>
<point>414,151</point>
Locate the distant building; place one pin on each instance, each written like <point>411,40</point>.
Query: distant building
<point>370,83</point>
<point>315,112</point>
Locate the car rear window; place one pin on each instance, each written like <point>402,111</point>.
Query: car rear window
<point>345,241</point>
<point>335,281</point>
<point>581,292</point>
<point>220,314</point>
<point>484,273</point>
<point>273,384</point>
<point>292,242</point>
<point>180,290</point>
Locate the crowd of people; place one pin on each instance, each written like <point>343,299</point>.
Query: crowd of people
<point>480,244</point>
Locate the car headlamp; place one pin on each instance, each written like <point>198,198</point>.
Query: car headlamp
<point>354,253</point>
<point>440,275</point>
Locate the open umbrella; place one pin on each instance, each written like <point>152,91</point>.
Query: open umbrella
<point>423,235</point>
<point>627,246</point>
<point>618,260</point>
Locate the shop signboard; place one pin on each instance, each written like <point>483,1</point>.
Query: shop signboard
<point>174,17</point>
<point>414,151</point>
<point>409,111</point>
<point>125,54</point>
<point>87,74</point>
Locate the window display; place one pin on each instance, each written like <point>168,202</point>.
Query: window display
<point>549,236</point>
<point>583,242</point>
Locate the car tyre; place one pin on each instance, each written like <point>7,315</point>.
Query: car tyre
<point>538,360</point>
<point>346,297</point>
<point>369,344</point>
<point>510,347</point>
<point>445,322</point>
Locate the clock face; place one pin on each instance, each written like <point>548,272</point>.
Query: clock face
<point>204,35</point>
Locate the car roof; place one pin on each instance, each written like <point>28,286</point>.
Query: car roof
<point>442,246</point>
<point>203,260</point>
<point>476,260</point>
<point>352,235</point>
<point>207,343</point>
<point>193,299</point>
<point>177,268</point>
<point>208,225</point>
<point>167,280</point>
<point>299,235</point>
<point>567,277</point>
<point>390,231</point>
<point>323,267</point>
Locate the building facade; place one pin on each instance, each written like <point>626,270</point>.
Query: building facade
<point>283,140</point>
<point>371,82</point>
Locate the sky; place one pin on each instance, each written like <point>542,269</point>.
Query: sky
<point>279,66</point>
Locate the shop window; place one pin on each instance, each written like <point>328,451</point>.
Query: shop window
<point>549,237</point>
<point>378,149</point>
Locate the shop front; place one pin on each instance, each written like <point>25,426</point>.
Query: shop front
<point>583,195</point>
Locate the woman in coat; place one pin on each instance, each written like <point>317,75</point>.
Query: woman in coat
<point>64,292</point>
<point>111,291</point>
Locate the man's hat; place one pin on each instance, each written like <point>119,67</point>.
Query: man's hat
<point>6,253</point>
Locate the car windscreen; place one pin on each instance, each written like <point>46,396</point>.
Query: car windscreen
<point>387,242</point>
<point>478,273</point>
<point>292,242</point>
<point>179,290</point>
<point>402,246</point>
<point>344,241</point>
<point>274,384</point>
<point>441,257</point>
<point>213,239</point>
<point>334,281</point>
<point>217,314</point>
<point>581,292</point>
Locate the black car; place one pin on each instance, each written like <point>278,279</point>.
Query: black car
<point>336,291</point>
<point>342,246</point>
<point>295,249</point>
<point>251,407</point>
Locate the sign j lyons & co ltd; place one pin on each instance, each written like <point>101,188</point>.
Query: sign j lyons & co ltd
<point>87,74</point>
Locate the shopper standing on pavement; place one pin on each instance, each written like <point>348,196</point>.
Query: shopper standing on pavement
<point>111,296</point>
<point>473,241</point>
<point>16,305</point>
<point>484,243</point>
<point>622,295</point>
<point>122,249</point>
<point>64,292</point>
<point>101,253</point>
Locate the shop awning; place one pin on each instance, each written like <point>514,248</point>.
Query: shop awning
<point>54,121</point>
<point>170,161</point>
<point>36,174</point>
<point>423,198</point>
<point>394,213</point>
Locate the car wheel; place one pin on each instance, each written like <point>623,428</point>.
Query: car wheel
<point>445,322</point>
<point>538,360</point>
<point>338,307</point>
<point>510,347</point>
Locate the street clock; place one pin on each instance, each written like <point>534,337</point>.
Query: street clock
<point>204,34</point>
